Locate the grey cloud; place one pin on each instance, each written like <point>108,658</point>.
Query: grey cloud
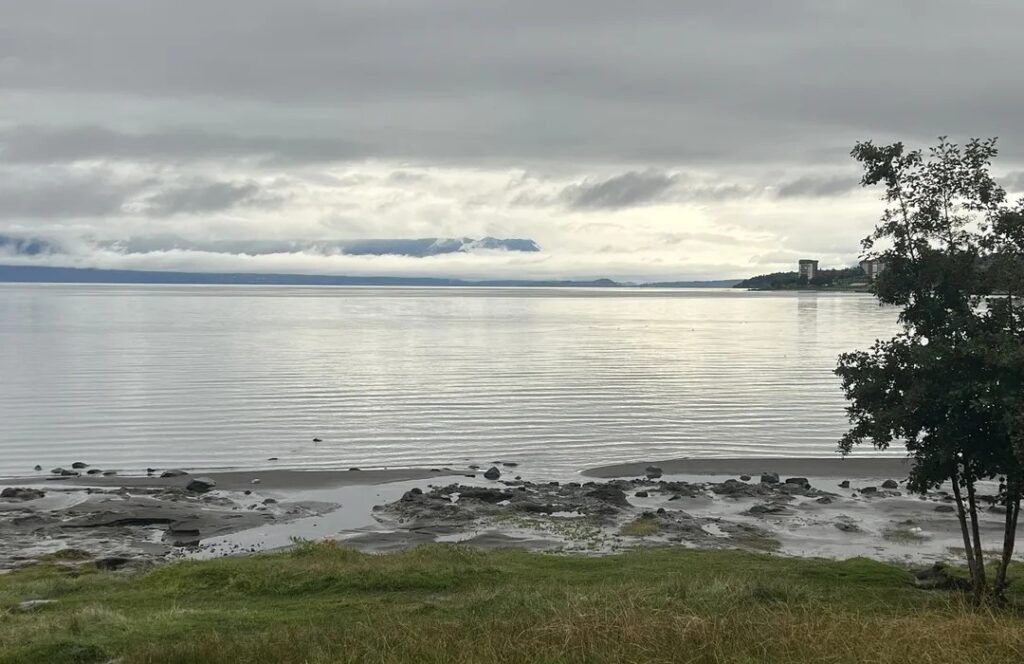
<point>28,144</point>
<point>661,82</point>
<point>1013,182</point>
<point>205,196</point>
<point>817,187</point>
<point>66,193</point>
<point>626,190</point>
<point>62,195</point>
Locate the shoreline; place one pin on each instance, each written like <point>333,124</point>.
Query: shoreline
<point>804,507</point>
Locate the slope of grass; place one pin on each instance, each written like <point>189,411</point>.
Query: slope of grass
<point>321,603</point>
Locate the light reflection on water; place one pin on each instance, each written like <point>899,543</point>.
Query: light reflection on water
<point>213,376</point>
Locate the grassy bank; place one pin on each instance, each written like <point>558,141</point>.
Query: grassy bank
<point>321,603</point>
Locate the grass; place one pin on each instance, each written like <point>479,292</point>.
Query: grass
<point>642,526</point>
<point>322,603</point>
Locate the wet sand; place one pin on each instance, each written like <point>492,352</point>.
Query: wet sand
<point>852,467</point>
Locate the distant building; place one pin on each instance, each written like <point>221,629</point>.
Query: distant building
<point>872,268</point>
<point>808,268</point>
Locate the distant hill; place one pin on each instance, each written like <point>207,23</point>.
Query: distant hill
<point>40,274</point>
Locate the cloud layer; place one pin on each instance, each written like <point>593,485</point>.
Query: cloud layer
<point>649,139</point>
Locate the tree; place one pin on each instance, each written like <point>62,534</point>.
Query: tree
<point>950,385</point>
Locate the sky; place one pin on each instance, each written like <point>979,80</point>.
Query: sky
<point>640,140</point>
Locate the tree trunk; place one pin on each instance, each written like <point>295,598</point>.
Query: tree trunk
<point>1009,537</point>
<point>979,560</point>
<point>961,514</point>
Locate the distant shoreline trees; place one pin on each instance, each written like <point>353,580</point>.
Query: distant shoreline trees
<point>950,385</point>
<point>836,278</point>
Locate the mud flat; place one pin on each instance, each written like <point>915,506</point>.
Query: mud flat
<point>850,468</point>
<point>833,509</point>
<point>129,520</point>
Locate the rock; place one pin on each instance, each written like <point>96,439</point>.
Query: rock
<point>824,500</point>
<point>255,480</point>
<point>890,484</point>
<point>847,526</point>
<point>269,501</point>
<point>845,484</point>
<point>769,478</point>
<point>94,471</point>
<point>769,508</point>
<point>869,490</point>
<point>353,469</point>
<point>473,466</point>
<point>745,478</point>
<point>37,467</point>
<point>32,605</point>
<point>509,464</point>
<point>492,473</point>
<point>112,562</point>
<point>57,471</point>
<point>412,494</point>
<point>21,494</point>
<point>78,465</point>
<point>271,458</point>
<point>247,492</point>
<point>640,494</point>
<point>200,485</point>
<point>653,472</point>
<point>675,497</point>
<point>183,529</point>
<point>109,473</point>
<point>937,577</point>
<point>609,494</point>
<point>799,481</point>
<point>318,440</point>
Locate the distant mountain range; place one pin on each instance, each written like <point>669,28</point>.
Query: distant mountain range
<point>40,274</point>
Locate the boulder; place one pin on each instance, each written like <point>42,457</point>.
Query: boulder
<point>890,484</point>
<point>845,484</point>
<point>799,481</point>
<point>745,478</point>
<point>78,465</point>
<point>37,467</point>
<point>653,472</point>
<point>492,473</point>
<point>173,473</point>
<point>21,494</point>
<point>869,490</point>
<point>847,527</point>
<point>641,494</point>
<point>769,478</point>
<point>200,485</point>
<point>945,508</point>
<point>609,494</point>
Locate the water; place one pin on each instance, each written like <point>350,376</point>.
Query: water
<point>225,377</point>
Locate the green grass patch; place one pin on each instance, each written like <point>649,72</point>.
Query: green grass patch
<point>322,603</point>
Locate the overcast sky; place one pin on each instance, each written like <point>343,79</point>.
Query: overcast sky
<point>636,140</point>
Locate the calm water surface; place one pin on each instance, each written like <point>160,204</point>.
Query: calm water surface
<point>211,377</point>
